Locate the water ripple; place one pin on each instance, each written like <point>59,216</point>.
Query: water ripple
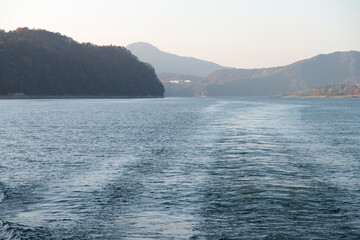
<point>180,169</point>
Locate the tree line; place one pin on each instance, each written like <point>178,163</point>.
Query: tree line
<point>43,63</point>
<point>332,91</point>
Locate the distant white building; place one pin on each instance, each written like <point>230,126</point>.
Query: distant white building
<point>179,81</point>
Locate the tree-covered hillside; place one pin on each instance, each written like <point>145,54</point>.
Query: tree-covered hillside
<point>341,90</point>
<point>322,70</point>
<point>42,63</point>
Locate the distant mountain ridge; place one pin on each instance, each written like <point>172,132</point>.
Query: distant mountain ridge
<point>164,62</point>
<point>321,70</point>
<point>43,63</point>
<point>211,79</point>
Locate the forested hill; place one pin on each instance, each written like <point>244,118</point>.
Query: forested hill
<point>332,69</point>
<point>321,70</point>
<point>42,63</point>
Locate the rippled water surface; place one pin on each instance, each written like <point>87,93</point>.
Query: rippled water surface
<point>180,169</point>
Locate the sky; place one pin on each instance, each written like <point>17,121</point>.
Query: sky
<point>234,33</point>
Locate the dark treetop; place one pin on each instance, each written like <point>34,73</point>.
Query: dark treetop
<point>42,63</point>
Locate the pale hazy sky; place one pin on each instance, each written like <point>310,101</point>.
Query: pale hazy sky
<point>236,33</point>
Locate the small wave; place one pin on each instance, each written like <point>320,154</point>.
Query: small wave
<point>7,232</point>
<point>2,194</point>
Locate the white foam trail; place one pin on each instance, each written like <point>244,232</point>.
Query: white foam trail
<point>2,196</point>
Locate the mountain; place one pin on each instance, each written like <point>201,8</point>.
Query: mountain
<point>164,62</point>
<point>42,63</point>
<point>321,70</point>
<point>325,69</point>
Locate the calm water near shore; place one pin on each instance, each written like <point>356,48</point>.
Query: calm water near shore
<point>180,168</point>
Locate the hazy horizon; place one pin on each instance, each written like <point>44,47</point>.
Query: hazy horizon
<point>241,34</point>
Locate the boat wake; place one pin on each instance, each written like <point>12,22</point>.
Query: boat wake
<point>2,194</point>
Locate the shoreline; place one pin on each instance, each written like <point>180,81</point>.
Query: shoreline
<point>77,97</point>
<point>322,96</point>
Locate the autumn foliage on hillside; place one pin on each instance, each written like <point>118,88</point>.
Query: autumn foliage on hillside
<point>332,91</point>
<point>42,63</point>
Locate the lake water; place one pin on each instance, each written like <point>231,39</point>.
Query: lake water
<point>178,168</point>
